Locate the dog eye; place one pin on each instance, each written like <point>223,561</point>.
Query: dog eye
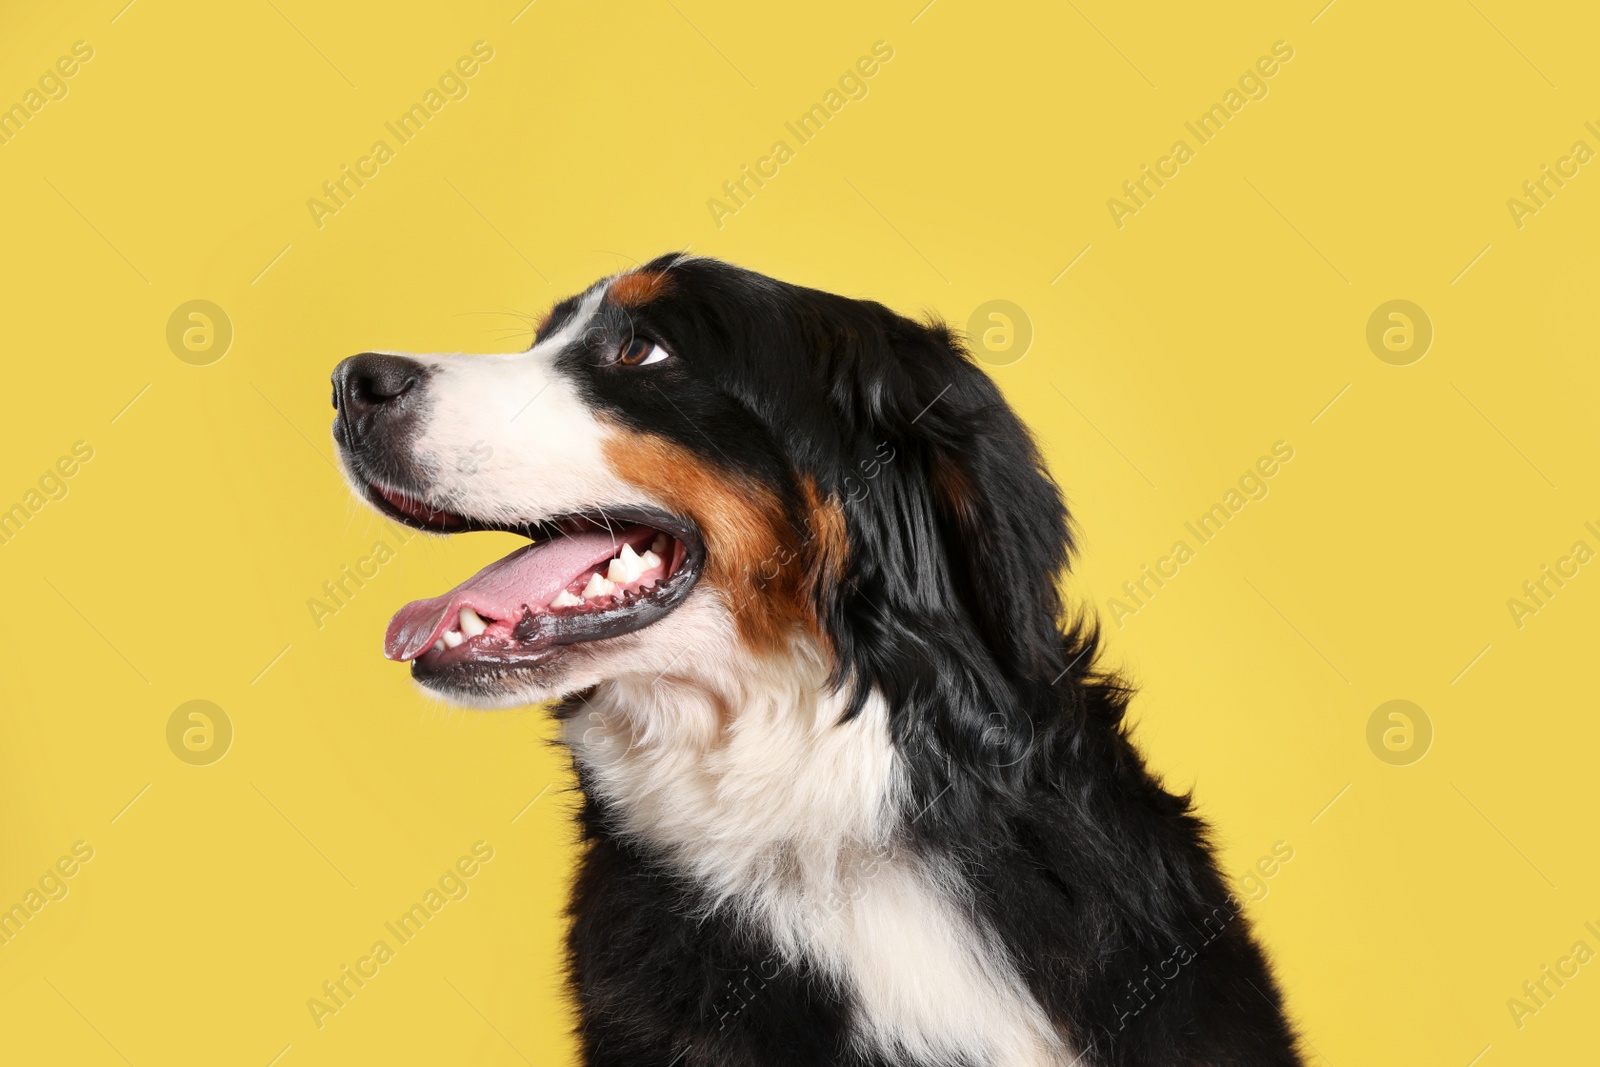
<point>641,352</point>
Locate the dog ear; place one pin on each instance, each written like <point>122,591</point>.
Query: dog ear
<point>957,539</point>
<point>954,473</point>
<point>1004,529</point>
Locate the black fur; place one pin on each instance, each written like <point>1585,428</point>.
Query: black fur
<point>1100,883</point>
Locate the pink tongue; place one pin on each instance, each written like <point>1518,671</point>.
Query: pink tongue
<point>528,578</point>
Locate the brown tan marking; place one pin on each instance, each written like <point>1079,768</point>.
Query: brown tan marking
<point>954,492</point>
<point>637,288</point>
<point>751,550</point>
<point>829,549</point>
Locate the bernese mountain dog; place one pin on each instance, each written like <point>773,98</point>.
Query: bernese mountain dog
<point>854,789</point>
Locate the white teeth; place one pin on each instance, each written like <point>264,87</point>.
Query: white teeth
<point>659,545</point>
<point>648,560</point>
<point>438,646</point>
<point>452,639</point>
<point>598,587</point>
<point>627,567</point>
<point>565,599</point>
<point>471,623</point>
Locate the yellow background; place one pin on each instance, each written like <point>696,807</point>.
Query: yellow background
<point>1223,317</point>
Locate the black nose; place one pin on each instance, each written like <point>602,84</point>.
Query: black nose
<point>367,386</point>
<point>363,383</point>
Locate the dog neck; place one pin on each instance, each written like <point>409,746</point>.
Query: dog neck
<point>748,778</point>
<point>754,786</point>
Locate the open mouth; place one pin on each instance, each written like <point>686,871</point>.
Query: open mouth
<point>586,577</point>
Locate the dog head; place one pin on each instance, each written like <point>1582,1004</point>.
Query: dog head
<point>709,463</point>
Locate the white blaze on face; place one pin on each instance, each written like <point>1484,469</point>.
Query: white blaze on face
<point>510,439</point>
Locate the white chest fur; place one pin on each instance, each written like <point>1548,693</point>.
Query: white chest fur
<point>754,788</point>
